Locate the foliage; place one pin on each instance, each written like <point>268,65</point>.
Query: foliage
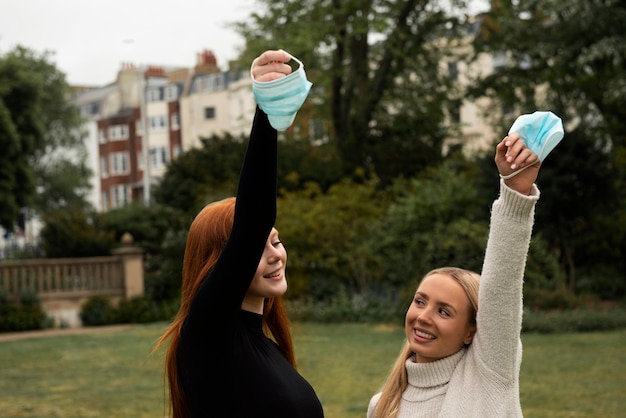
<point>152,228</point>
<point>63,182</point>
<point>202,175</point>
<point>97,310</point>
<point>602,281</point>
<point>147,224</point>
<point>211,172</point>
<point>137,310</point>
<point>100,310</point>
<point>344,307</point>
<point>300,163</point>
<point>35,119</point>
<point>24,315</point>
<point>375,69</point>
<point>323,234</point>
<point>574,320</point>
<point>543,272</point>
<point>73,232</point>
<point>569,57</point>
<point>430,224</point>
<point>164,274</point>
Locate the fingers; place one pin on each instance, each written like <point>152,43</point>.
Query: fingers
<point>271,65</point>
<point>513,152</point>
<point>517,164</point>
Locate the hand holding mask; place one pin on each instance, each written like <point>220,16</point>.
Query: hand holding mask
<point>282,98</point>
<point>540,131</point>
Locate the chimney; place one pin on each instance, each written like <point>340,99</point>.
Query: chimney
<point>206,63</point>
<point>155,71</point>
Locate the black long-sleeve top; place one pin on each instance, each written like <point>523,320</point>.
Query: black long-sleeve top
<point>227,365</point>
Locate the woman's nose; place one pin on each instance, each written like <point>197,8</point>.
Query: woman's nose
<point>424,316</point>
<point>274,254</point>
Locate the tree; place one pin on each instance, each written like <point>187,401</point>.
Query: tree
<point>211,172</point>
<point>202,175</point>
<point>323,233</point>
<point>432,223</point>
<point>161,232</point>
<point>376,70</point>
<point>570,57</point>
<point>37,118</point>
<point>73,232</point>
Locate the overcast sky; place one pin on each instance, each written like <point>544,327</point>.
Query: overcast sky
<point>91,38</point>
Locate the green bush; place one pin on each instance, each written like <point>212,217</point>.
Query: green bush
<point>574,320</point>
<point>547,299</point>
<point>344,307</point>
<point>167,310</point>
<point>25,315</point>
<point>98,310</point>
<point>137,310</point>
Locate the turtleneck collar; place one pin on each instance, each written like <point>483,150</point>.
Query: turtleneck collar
<point>429,380</point>
<point>252,320</point>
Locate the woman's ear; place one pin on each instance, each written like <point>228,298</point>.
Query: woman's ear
<point>470,335</point>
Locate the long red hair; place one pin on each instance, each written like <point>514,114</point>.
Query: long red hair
<point>207,237</point>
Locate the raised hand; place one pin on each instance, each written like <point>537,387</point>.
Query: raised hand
<point>271,65</point>
<point>512,155</point>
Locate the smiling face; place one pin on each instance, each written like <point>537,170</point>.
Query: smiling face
<point>440,319</point>
<point>269,280</point>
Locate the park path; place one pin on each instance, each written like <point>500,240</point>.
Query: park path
<point>12,336</point>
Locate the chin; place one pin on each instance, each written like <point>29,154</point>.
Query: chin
<point>282,291</point>
<point>279,290</point>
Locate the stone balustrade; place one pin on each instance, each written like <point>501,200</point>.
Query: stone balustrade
<point>64,284</point>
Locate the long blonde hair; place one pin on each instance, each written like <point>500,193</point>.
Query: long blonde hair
<point>389,402</point>
<point>207,237</point>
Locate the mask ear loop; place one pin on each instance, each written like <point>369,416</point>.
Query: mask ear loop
<point>515,173</point>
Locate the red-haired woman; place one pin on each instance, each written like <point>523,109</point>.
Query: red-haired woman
<point>230,352</point>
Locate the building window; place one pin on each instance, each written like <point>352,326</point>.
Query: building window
<point>209,113</point>
<point>119,163</point>
<point>104,172</point>
<point>118,132</point>
<point>154,94</point>
<point>209,82</point>
<point>177,151</point>
<point>171,92</point>
<point>121,195</point>
<point>89,109</point>
<point>158,123</point>
<point>159,157</point>
<point>175,121</point>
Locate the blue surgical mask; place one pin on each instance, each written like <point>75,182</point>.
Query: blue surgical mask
<point>281,99</point>
<point>541,132</point>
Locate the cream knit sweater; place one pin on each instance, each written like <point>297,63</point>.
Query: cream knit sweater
<point>483,379</point>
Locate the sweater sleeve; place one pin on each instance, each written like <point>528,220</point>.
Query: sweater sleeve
<point>218,300</point>
<point>499,317</point>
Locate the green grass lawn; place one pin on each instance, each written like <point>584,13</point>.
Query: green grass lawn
<point>112,374</point>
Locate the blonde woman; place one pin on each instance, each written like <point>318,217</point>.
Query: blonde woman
<point>463,351</point>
